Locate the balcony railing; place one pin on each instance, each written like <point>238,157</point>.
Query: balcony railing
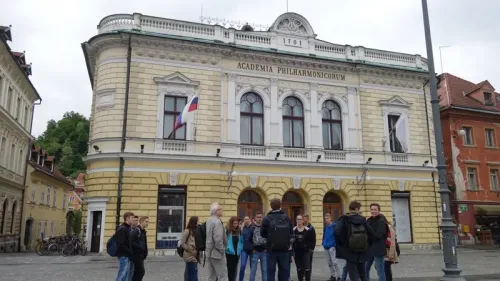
<point>149,24</point>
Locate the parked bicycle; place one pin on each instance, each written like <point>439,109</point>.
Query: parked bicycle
<point>64,245</point>
<point>74,247</point>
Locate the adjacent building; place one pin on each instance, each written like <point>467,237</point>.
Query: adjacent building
<point>46,199</point>
<point>17,99</point>
<point>75,194</point>
<point>281,114</point>
<point>470,115</point>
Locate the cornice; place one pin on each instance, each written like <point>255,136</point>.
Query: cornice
<point>9,176</point>
<point>11,128</point>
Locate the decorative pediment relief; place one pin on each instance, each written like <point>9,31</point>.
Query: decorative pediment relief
<point>176,78</point>
<point>395,101</point>
<point>293,23</point>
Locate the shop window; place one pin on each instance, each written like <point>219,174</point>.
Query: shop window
<point>171,216</point>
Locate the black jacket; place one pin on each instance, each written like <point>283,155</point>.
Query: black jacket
<point>266,223</point>
<point>379,247</point>
<point>342,239</point>
<point>124,246</point>
<point>313,234</point>
<point>139,243</point>
<point>303,240</point>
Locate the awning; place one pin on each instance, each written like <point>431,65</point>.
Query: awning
<point>487,210</point>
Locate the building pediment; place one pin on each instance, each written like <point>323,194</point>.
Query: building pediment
<point>395,101</point>
<point>293,23</point>
<point>176,78</point>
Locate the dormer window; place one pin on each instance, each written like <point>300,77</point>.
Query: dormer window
<point>488,100</point>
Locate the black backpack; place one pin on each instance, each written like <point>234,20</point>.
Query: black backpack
<point>358,238</point>
<point>200,237</point>
<point>279,233</point>
<point>180,250</point>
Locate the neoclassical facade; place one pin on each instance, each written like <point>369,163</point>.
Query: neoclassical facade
<point>17,97</point>
<point>281,115</point>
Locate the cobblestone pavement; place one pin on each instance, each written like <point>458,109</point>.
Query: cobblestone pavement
<point>481,264</point>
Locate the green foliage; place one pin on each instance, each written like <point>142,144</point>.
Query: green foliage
<point>67,140</point>
<point>76,222</point>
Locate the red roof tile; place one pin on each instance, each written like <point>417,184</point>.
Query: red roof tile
<point>455,91</point>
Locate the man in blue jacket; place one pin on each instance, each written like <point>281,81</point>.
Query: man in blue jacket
<point>329,245</point>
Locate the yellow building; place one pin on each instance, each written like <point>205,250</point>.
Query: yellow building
<point>45,201</point>
<point>17,99</point>
<point>281,115</point>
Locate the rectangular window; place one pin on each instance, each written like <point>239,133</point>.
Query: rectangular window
<point>48,196</point>
<point>42,198</point>
<point>397,134</point>
<point>64,201</point>
<point>472,178</point>
<point>33,194</point>
<point>173,107</point>
<point>55,198</point>
<point>51,228</point>
<point>9,100</point>
<point>1,88</point>
<point>39,230</point>
<point>495,184</point>
<point>45,234</point>
<point>487,99</point>
<point>26,121</point>
<point>171,216</point>
<point>13,163</point>
<point>18,110</point>
<point>490,138</point>
<point>468,137</point>
<point>71,198</point>
<point>3,153</point>
<point>21,158</point>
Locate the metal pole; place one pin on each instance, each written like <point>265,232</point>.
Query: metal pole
<point>451,270</point>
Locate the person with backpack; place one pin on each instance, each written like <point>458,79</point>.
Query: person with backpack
<point>234,247</point>
<point>301,249</point>
<point>278,231</point>
<point>215,246</point>
<point>377,250</point>
<point>392,253</point>
<point>259,250</point>
<point>138,238</point>
<point>329,246</point>
<point>353,236</point>
<point>124,248</point>
<point>246,254</point>
<point>189,253</point>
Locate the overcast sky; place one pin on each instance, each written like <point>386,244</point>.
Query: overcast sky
<point>51,31</point>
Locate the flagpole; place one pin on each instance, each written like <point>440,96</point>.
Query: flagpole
<point>196,118</point>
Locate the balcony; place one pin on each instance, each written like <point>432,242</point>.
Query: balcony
<point>265,40</point>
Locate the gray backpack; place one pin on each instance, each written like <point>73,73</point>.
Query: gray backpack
<point>258,240</point>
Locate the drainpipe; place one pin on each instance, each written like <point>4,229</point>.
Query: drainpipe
<point>432,174</point>
<point>26,172</point>
<point>124,134</point>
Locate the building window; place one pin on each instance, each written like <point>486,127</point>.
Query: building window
<point>64,201</point>
<point>468,137</point>
<point>26,112</point>
<point>397,133</point>
<point>472,178</point>
<point>9,100</point>
<point>55,198</point>
<point>5,210</point>
<point>293,123</point>
<point>1,88</point>
<point>45,234</point>
<point>13,163</point>
<point>3,153</point>
<point>13,218</point>
<point>495,185</point>
<point>331,116</point>
<point>51,228</point>
<point>18,110</point>
<point>39,230</point>
<point>172,109</point>
<point>21,157</point>
<point>171,216</point>
<point>42,198</point>
<point>487,99</point>
<point>48,196</point>
<point>33,194</point>
<point>490,138</point>
<point>251,119</point>
<point>71,198</point>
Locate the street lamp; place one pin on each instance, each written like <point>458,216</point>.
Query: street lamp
<point>451,270</point>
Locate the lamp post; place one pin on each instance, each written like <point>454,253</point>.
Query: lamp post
<point>451,270</point>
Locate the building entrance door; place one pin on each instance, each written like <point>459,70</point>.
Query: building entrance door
<point>96,231</point>
<point>28,232</point>
<point>249,204</point>
<point>332,204</point>
<point>401,216</point>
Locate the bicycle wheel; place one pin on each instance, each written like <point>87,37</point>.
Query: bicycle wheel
<point>52,250</point>
<point>83,248</point>
<point>39,249</point>
<point>67,250</point>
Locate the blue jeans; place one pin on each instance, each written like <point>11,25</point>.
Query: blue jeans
<point>244,257</point>
<point>344,273</point>
<point>191,272</point>
<point>379,266</point>
<point>125,269</point>
<point>282,259</point>
<point>262,256</point>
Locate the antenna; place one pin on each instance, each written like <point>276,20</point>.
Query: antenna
<point>201,16</point>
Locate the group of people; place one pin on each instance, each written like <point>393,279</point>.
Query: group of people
<point>273,242</point>
<point>132,247</point>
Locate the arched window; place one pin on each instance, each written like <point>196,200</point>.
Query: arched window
<point>291,204</point>
<point>4,215</point>
<point>249,203</point>
<point>13,224</point>
<point>332,204</point>
<point>251,119</point>
<point>331,116</point>
<point>293,123</point>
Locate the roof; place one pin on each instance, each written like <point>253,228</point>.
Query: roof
<point>456,91</point>
<point>45,169</point>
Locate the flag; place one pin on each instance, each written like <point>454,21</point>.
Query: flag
<point>185,115</point>
<point>401,132</point>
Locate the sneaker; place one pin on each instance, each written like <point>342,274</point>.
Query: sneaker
<point>332,279</point>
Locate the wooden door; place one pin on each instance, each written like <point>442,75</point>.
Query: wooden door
<point>291,204</point>
<point>249,204</point>
<point>332,204</point>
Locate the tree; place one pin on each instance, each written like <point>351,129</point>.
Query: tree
<point>76,223</point>
<point>67,140</point>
